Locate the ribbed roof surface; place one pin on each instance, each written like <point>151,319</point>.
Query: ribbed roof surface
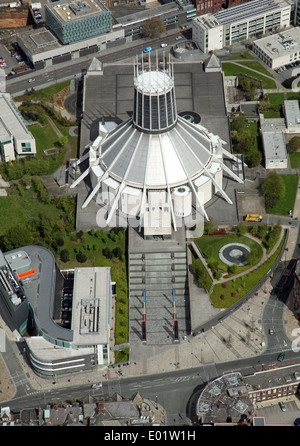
<point>155,160</point>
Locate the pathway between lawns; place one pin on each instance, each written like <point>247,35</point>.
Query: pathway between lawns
<point>265,257</point>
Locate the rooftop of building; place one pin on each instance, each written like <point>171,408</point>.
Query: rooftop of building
<point>146,14</point>
<point>292,113</point>
<point>274,145</point>
<point>67,11</point>
<point>207,21</point>
<point>249,10</point>
<point>279,44</point>
<point>11,123</point>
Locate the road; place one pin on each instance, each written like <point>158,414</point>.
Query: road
<point>75,68</point>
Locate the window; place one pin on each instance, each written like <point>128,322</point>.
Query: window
<point>26,147</point>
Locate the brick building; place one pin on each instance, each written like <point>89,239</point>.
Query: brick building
<point>212,6</point>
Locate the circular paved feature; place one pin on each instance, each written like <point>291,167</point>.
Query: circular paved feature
<point>234,253</point>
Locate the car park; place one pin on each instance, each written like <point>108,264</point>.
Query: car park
<point>96,385</point>
<point>148,49</point>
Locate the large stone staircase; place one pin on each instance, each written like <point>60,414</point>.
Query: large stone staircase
<point>158,275</point>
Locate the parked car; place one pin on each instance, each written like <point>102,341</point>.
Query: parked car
<point>31,80</point>
<point>96,385</point>
<point>282,406</point>
<point>148,49</point>
<point>271,331</point>
<point>163,45</point>
<point>280,357</point>
<point>178,37</point>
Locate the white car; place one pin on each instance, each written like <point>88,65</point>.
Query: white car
<point>96,385</point>
<point>178,37</point>
<point>31,80</point>
<point>163,45</point>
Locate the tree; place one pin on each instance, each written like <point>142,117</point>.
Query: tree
<point>273,187</point>
<point>153,27</point>
<point>254,158</point>
<point>107,253</point>
<point>242,228</point>
<point>81,258</point>
<point>209,226</point>
<point>117,252</point>
<point>65,255</point>
<point>15,237</point>
<point>294,144</point>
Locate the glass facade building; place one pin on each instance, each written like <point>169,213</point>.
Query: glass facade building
<point>78,20</point>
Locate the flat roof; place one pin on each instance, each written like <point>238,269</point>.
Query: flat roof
<point>278,45</point>
<point>67,11</point>
<point>249,10</point>
<point>17,260</point>
<point>208,21</point>
<point>274,145</point>
<point>91,305</point>
<point>147,14</point>
<point>292,113</point>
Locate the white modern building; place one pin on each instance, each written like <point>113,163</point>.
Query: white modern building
<point>247,21</point>
<point>155,166</point>
<point>274,150</point>
<point>207,32</point>
<point>15,139</point>
<point>279,49</point>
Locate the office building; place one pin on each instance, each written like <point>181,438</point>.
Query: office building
<point>279,49</point>
<point>77,20</point>
<point>239,23</point>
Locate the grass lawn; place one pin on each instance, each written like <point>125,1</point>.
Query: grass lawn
<point>254,65</point>
<point>44,95</point>
<point>276,98</point>
<point>272,114</point>
<point>254,129</point>
<point>16,210</point>
<point>295,160</point>
<point>242,285</point>
<point>212,244</point>
<point>231,69</point>
<point>244,55</point>
<point>293,96</point>
<point>287,202</point>
<point>45,137</point>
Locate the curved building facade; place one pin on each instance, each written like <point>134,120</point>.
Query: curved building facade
<point>34,290</point>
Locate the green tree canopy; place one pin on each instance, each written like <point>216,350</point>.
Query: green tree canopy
<point>294,144</point>
<point>153,27</point>
<point>15,237</point>
<point>273,187</point>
